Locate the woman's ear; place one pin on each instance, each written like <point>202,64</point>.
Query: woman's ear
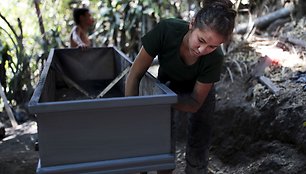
<point>191,23</point>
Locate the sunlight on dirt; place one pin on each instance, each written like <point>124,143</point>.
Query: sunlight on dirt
<point>279,56</point>
<point>25,128</point>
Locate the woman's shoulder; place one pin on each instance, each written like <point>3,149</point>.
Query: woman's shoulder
<point>173,22</point>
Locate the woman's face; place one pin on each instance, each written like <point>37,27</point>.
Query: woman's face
<point>203,41</point>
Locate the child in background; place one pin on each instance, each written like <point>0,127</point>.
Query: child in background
<point>79,34</point>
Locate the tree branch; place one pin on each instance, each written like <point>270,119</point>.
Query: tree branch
<point>263,21</point>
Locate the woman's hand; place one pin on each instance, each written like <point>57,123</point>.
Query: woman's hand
<point>192,102</point>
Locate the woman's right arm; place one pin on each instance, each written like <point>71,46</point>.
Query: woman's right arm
<point>139,68</point>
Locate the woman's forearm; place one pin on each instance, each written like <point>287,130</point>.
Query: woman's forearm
<point>131,87</point>
<point>186,103</point>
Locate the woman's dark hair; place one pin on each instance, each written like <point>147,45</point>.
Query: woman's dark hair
<point>77,12</point>
<point>217,15</point>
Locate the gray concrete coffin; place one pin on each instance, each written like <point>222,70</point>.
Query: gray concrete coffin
<point>79,133</point>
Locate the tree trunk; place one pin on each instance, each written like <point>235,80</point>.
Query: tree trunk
<point>264,21</point>
<point>41,23</point>
<point>5,58</point>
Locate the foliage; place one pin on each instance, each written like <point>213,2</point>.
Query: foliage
<point>23,48</point>
<point>122,23</point>
<point>19,83</point>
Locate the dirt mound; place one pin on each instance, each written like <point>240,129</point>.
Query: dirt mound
<point>258,130</point>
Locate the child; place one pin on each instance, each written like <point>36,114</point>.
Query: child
<point>79,34</point>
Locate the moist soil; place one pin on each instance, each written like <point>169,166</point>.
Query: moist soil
<point>257,129</point>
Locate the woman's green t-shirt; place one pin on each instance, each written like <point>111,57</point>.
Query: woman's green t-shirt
<point>164,41</point>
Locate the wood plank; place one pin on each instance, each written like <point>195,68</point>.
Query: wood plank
<point>124,72</point>
<point>267,82</point>
<point>296,41</point>
<point>8,108</point>
<point>68,80</point>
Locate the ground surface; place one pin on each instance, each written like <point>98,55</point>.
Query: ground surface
<point>17,154</point>
<point>256,130</point>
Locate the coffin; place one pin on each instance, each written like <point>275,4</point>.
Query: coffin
<point>82,131</point>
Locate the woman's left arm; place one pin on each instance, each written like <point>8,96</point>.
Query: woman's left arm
<point>192,102</point>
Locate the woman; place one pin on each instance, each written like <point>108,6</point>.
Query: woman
<point>190,63</point>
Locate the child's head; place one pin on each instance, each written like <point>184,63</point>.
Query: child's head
<point>216,15</point>
<point>82,16</point>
